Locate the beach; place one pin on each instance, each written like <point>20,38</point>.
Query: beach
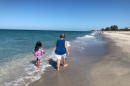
<point>91,37</point>
<point>18,55</point>
<point>107,68</point>
<point>83,56</point>
<point>113,69</point>
<point>95,59</point>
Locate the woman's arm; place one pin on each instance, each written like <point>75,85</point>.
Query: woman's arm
<point>67,50</point>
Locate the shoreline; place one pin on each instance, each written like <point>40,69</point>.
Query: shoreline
<point>110,69</point>
<point>22,60</point>
<point>77,71</point>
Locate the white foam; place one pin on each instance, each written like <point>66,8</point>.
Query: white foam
<point>30,72</point>
<point>68,44</point>
<point>83,42</point>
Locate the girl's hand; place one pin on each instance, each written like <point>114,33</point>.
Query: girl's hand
<point>34,54</point>
<point>43,52</point>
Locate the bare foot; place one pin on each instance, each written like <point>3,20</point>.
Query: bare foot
<point>57,70</point>
<point>65,65</point>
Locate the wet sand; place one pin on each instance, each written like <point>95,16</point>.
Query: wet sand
<point>76,74</point>
<point>98,68</point>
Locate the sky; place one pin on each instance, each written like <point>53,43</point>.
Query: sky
<point>64,14</point>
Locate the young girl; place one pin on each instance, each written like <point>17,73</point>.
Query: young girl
<point>61,51</point>
<point>37,52</point>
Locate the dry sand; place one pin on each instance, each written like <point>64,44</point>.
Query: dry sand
<point>114,68</point>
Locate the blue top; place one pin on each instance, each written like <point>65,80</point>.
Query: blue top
<point>60,47</point>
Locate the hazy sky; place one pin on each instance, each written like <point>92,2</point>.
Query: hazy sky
<point>64,14</point>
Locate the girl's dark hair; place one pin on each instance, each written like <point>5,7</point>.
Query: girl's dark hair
<point>37,46</point>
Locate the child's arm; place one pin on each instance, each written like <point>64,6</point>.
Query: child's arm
<point>34,53</point>
<point>43,51</point>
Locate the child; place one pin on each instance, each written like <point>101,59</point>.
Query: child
<point>61,51</point>
<point>37,52</point>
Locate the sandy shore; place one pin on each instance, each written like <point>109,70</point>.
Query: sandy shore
<point>111,69</point>
<point>114,68</point>
<point>79,63</point>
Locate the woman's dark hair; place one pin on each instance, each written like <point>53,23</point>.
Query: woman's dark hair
<point>62,35</point>
<point>37,46</point>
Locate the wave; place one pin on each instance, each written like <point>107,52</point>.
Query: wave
<point>88,41</point>
<point>22,70</point>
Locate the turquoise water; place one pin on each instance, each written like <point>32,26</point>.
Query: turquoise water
<point>16,59</point>
<point>13,42</point>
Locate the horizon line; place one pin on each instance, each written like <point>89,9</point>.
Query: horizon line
<point>44,30</point>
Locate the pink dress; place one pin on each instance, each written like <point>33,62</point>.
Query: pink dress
<point>38,53</point>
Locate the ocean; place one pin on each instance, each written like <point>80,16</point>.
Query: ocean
<point>17,63</point>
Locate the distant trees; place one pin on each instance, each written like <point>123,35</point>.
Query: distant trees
<point>114,28</point>
<point>111,28</point>
<point>107,28</point>
<point>125,29</point>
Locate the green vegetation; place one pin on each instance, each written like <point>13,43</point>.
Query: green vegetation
<point>115,28</point>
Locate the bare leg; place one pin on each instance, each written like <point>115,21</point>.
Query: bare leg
<point>37,62</point>
<point>64,62</point>
<point>58,64</point>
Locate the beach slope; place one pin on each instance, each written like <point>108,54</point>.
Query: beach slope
<point>111,69</point>
<point>114,68</point>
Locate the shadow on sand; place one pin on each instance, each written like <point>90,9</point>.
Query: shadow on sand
<point>53,63</point>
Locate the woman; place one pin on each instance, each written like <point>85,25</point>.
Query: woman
<point>61,51</point>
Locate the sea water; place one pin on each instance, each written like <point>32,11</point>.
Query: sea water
<point>17,63</point>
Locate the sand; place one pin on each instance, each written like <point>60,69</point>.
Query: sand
<point>114,68</point>
<point>108,69</point>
